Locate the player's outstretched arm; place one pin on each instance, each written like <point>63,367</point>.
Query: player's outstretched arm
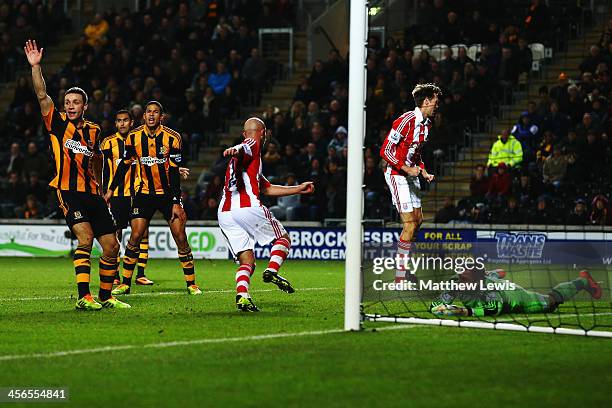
<point>274,190</point>
<point>34,56</point>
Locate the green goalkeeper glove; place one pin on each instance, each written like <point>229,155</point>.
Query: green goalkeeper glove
<point>450,310</point>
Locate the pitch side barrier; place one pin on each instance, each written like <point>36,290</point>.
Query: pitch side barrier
<point>310,240</point>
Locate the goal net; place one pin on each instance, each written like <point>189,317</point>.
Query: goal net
<point>538,281</point>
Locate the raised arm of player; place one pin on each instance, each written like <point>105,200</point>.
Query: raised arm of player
<point>34,56</point>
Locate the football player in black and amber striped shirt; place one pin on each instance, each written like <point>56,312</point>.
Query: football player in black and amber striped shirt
<point>157,149</point>
<point>73,146</point>
<point>113,149</point>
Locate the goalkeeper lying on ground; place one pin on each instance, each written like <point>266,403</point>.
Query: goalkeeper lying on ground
<point>495,302</point>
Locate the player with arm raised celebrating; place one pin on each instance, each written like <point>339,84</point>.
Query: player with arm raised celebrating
<point>158,150</point>
<point>74,147</point>
<point>244,220</point>
<point>402,150</point>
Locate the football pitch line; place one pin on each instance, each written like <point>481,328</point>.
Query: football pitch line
<point>184,343</point>
<point>555,316</point>
<point>175,293</point>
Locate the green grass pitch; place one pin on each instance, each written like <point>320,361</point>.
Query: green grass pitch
<point>171,349</point>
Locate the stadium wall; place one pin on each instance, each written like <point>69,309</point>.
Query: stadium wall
<point>310,240</point>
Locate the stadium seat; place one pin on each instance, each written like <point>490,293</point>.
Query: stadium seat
<point>473,50</point>
<point>455,48</point>
<point>416,50</point>
<point>437,51</point>
<point>537,50</point>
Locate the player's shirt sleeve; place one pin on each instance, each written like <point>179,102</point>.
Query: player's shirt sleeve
<point>389,147</point>
<point>53,118</point>
<point>250,148</point>
<point>176,152</point>
<point>129,155</point>
<point>174,177</point>
<point>264,183</point>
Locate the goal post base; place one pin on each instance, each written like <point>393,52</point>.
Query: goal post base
<point>486,325</point>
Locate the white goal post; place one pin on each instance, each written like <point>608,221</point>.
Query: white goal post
<point>356,136</point>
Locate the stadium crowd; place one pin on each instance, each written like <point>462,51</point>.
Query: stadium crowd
<point>555,165</point>
<point>198,58</point>
<point>201,61</point>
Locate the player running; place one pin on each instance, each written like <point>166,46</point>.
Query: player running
<point>157,149</point>
<point>74,148</point>
<point>244,220</point>
<point>402,151</point>
<point>113,149</point>
<point>480,303</point>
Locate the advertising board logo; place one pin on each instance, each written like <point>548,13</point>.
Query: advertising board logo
<point>520,245</point>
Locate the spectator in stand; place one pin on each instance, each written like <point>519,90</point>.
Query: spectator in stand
<point>527,190</point>
<point>587,126</point>
<point>447,213</point>
<point>479,185</point>
<point>335,189</point>
<point>501,183</point>
<point>511,214</point>
<point>15,161</point>
<point>374,187</point>
<point>210,110</point>
<point>96,31</point>
<point>14,191</point>
<point>289,207</point>
<point>31,210</point>
<point>541,215</point>
<point>559,92</point>
<point>546,147</point>
<point>319,81</point>
<point>555,121</point>
<point>253,72</point>
<point>578,215</point>
<point>35,162</point>
<point>210,211</point>
<point>340,140</point>
<point>590,63</point>
<point>507,150</point>
<point>524,58</point>
<point>479,214</point>
<point>526,133</point>
<point>555,168</point>
<point>36,188</point>
<point>271,159</point>
<point>600,214</point>
<point>317,136</point>
<point>220,79</point>
<point>575,104</point>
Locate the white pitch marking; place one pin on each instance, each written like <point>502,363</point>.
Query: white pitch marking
<point>185,343</point>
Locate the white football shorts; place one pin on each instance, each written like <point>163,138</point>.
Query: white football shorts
<point>243,227</point>
<point>405,192</point>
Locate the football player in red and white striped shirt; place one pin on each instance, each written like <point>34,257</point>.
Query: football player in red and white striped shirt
<point>402,151</point>
<point>244,220</point>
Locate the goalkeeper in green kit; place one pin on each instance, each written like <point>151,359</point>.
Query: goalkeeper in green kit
<point>495,302</point>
